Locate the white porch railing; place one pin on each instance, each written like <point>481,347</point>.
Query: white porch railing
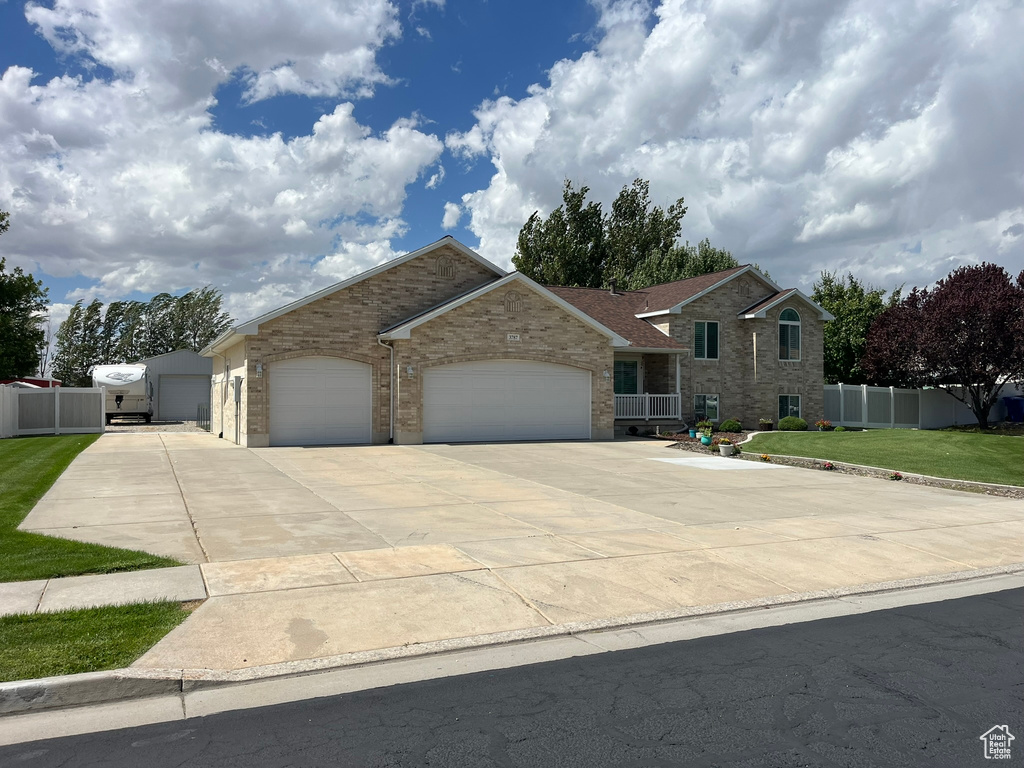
<point>647,407</point>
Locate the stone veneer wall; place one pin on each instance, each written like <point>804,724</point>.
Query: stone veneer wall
<point>345,324</point>
<point>479,331</point>
<point>748,392</point>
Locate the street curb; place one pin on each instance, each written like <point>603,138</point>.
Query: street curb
<point>71,691</point>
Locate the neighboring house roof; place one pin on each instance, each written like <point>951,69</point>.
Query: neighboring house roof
<point>760,309</point>
<point>250,327</point>
<point>618,312</point>
<point>403,329</point>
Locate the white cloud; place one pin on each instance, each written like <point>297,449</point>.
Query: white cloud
<point>125,180</point>
<point>452,214</point>
<point>803,135</point>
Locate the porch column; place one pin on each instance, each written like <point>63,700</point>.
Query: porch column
<point>679,391</point>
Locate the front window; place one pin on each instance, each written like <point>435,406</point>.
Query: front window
<point>705,407</point>
<point>789,405</point>
<point>705,340</point>
<point>626,377</point>
<point>789,335</point>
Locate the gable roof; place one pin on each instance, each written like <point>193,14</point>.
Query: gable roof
<point>252,326</point>
<point>618,312</point>
<point>760,309</point>
<point>670,298</point>
<point>403,329</point>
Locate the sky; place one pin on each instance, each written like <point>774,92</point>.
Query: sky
<point>271,148</point>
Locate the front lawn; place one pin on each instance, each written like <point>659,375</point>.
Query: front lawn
<point>957,455</point>
<point>28,467</point>
<point>89,640</point>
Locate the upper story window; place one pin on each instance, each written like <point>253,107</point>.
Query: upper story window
<point>789,335</point>
<point>705,340</point>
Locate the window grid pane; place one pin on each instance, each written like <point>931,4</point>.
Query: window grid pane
<point>712,346</point>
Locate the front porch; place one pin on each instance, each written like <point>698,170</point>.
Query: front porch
<point>636,375</point>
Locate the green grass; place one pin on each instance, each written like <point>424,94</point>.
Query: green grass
<point>28,467</point>
<point>957,455</point>
<point>89,640</point>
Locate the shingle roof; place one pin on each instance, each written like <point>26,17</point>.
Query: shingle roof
<point>618,312</point>
<point>665,296</point>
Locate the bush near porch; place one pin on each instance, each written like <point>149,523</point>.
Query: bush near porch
<point>958,455</point>
<point>28,467</point>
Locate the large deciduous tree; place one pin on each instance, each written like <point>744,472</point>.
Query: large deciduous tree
<point>635,244</point>
<point>22,316</point>
<point>965,335</point>
<point>855,307</point>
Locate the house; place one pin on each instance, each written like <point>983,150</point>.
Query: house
<point>440,345</point>
<point>181,384</point>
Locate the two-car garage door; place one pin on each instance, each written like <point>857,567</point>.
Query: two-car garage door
<point>505,400</point>
<point>320,401</point>
<point>328,401</point>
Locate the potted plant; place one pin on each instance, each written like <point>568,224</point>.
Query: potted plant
<point>705,428</point>
<point>765,425</point>
<point>823,425</point>
<point>693,431</point>
<point>725,447</point>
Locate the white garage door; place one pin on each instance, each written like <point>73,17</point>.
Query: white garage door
<point>505,400</point>
<point>181,395</point>
<point>320,401</point>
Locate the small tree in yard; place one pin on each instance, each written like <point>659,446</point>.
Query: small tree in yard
<point>968,332</point>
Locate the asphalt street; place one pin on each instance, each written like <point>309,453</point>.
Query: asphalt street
<point>914,686</point>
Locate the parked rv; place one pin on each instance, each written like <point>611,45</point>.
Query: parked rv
<point>129,391</point>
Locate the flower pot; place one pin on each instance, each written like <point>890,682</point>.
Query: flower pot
<point>705,440</point>
<point>726,450</point>
<point>693,433</point>
<point>698,434</point>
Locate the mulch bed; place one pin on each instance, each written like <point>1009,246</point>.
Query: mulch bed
<point>686,443</point>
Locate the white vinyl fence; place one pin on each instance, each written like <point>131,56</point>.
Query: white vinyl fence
<point>893,408</point>
<point>56,411</point>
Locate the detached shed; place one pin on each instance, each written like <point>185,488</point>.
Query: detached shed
<point>181,383</point>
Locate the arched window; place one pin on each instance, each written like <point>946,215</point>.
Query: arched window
<point>789,335</point>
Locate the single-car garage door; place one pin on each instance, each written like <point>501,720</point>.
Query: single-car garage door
<point>180,396</point>
<point>505,400</point>
<point>320,401</point>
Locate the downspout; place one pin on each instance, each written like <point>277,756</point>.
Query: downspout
<point>391,391</point>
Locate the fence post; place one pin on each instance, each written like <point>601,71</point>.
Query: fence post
<point>842,416</point>
<point>103,410</point>
<point>892,407</point>
<point>864,405</point>
<point>56,410</point>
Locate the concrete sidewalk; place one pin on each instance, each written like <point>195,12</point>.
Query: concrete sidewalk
<point>183,584</point>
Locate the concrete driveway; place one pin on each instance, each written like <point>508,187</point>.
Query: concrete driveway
<point>319,552</point>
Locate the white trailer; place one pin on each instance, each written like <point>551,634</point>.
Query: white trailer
<point>129,390</point>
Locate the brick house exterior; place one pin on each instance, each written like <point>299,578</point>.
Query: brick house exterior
<point>405,330</point>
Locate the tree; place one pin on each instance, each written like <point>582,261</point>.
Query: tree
<point>22,314</point>
<point>635,244</point>
<point>967,332</point>
<point>638,231</point>
<point>566,248</point>
<point>68,361</point>
<point>198,318</point>
<point>855,307</point>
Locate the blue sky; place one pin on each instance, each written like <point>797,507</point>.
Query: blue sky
<point>161,147</point>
